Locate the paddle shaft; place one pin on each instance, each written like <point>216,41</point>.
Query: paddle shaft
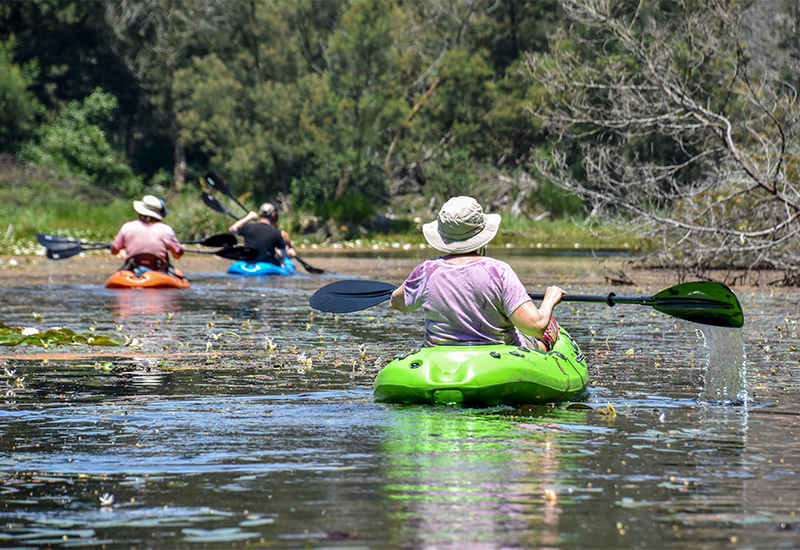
<point>67,250</point>
<point>611,299</point>
<point>59,241</point>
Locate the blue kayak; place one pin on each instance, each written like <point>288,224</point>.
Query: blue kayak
<point>263,268</point>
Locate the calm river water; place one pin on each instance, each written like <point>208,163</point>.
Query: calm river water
<point>237,417</point>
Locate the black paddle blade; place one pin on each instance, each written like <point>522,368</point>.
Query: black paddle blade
<point>310,268</point>
<point>57,242</point>
<point>350,295</point>
<point>214,204</point>
<point>217,183</point>
<point>216,241</point>
<point>238,253</point>
<point>63,253</point>
<point>704,302</point>
<point>53,241</point>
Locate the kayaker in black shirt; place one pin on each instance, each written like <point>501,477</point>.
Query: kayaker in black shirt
<point>263,235</point>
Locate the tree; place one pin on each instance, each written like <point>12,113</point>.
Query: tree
<point>154,38</point>
<point>66,42</point>
<point>664,121</point>
<point>75,144</point>
<point>18,106</point>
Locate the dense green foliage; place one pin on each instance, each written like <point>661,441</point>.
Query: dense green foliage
<point>360,116</point>
<point>331,104</point>
<point>18,105</point>
<point>76,145</point>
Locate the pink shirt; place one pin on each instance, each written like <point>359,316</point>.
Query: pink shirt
<point>136,237</point>
<point>466,303</point>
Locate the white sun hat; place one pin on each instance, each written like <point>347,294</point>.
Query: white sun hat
<point>151,206</point>
<point>461,227</point>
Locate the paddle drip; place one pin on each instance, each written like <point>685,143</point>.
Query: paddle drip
<point>725,374</point>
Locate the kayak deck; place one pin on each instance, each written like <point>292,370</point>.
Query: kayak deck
<point>149,279</point>
<point>485,375</point>
<point>263,268</point>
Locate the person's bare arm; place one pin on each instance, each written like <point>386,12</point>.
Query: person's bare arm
<point>532,320</point>
<point>252,216</point>
<point>290,250</point>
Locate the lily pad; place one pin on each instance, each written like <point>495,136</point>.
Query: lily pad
<point>15,336</point>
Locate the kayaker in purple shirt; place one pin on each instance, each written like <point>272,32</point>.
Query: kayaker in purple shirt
<point>469,298</point>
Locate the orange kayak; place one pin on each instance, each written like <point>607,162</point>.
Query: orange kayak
<point>150,279</point>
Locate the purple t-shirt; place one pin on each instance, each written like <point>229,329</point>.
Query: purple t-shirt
<point>466,303</point>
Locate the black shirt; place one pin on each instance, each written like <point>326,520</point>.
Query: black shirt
<point>264,238</point>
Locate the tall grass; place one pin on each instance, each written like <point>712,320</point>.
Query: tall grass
<point>33,200</point>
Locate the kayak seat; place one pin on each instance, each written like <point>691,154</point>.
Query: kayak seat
<point>146,261</point>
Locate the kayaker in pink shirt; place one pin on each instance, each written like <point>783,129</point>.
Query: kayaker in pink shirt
<point>469,298</point>
<point>147,235</point>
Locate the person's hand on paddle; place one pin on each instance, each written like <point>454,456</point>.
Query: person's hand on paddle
<point>552,296</point>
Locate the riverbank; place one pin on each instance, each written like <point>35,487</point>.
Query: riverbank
<point>607,270</point>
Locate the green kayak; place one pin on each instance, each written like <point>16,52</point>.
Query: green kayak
<point>485,375</point>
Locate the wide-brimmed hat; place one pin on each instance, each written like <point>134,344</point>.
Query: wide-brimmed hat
<point>151,206</point>
<point>461,227</point>
<point>267,209</point>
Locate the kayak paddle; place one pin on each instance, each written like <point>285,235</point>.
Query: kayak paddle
<point>64,250</point>
<point>214,204</point>
<point>350,295</point>
<point>704,302</point>
<point>68,250</point>
<point>215,241</point>
<point>217,183</point>
<point>56,241</point>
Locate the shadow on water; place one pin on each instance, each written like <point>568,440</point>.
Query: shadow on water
<point>236,415</point>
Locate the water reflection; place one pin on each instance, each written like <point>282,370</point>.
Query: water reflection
<point>146,303</point>
<point>485,476</point>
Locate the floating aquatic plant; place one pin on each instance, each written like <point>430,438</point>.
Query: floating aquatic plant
<point>14,336</point>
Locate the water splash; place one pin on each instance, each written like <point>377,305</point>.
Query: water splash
<point>725,374</point>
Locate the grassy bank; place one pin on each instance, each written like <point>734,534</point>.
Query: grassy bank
<point>32,200</point>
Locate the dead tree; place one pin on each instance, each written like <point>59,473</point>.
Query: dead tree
<point>681,135</point>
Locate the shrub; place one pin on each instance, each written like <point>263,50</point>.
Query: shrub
<point>75,144</point>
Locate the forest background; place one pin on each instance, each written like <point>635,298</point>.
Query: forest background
<point>669,124</point>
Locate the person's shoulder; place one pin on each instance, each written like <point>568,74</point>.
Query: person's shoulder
<point>497,269</point>
<point>488,261</point>
<point>432,262</point>
<point>163,226</point>
<point>426,266</point>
